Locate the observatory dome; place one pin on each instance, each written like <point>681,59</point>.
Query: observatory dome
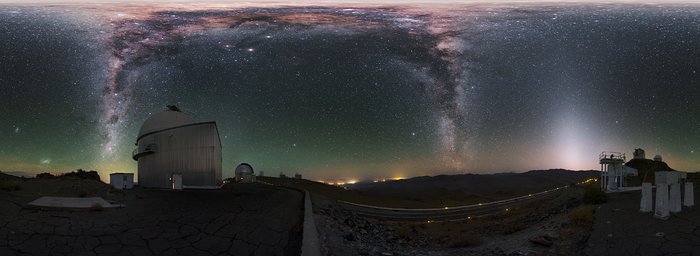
<point>244,168</point>
<point>658,158</point>
<point>164,120</point>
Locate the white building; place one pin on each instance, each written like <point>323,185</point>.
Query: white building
<point>613,171</point>
<point>121,180</point>
<point>244,173</point>
<point>175,152</point>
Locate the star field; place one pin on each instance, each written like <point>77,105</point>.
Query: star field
<point>354,92</point>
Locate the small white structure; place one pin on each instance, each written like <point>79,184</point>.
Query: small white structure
<point>120,180</point>
<point>613,171</point>
<point>658,158</point>
<point>297,176</point>
<point>668,201</point>
<point>688,199</point>
<point>646,204</point>
<point>661,211</point>
<point>674,200</point>
<point>244,173</point>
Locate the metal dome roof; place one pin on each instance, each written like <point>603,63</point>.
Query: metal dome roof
<point>244,168</point>
<point>164,120</point>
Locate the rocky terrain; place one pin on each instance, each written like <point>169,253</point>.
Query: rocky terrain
<point>539,228</point>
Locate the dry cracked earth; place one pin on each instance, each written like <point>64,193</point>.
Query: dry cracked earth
<point>245,219</point>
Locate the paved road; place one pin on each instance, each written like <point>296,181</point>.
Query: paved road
<point>248,219</point>
<point>448,213</point>
<point>620,229</point>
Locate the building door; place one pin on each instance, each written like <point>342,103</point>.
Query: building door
<point>176,181</point>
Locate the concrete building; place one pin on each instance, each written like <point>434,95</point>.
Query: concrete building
<point>244,173</point>
<point>121,180</point>
<point>175,152</point>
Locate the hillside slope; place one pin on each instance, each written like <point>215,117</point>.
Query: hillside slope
<point>460,189</point>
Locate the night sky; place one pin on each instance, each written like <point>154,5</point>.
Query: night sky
<point>353,91</point>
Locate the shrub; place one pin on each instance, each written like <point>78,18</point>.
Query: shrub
<point>81,174</point>
<point>10,186</point>
<point>45,175</point>
<point>594,195</point>
<point>512,227</point>
<point>582,215</point>
<point>465,240</point>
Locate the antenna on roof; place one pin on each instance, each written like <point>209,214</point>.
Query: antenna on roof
<point>173,108</point>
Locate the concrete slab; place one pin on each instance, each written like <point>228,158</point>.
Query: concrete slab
<point>72,202</point>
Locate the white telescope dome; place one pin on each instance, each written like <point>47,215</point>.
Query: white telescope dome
<point>164,120</point>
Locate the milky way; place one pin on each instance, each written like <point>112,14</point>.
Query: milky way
<point>418,40</point>
<point>355,90</point>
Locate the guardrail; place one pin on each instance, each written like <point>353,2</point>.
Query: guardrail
<point>447,213</point>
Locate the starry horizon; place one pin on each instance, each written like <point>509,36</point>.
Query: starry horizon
<point>351,91</point>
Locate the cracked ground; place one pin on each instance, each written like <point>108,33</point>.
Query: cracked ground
<point>242,219</point>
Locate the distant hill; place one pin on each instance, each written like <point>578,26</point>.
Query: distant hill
<point>461,188</point>
<point>17,174</point>
<point>6,176</point>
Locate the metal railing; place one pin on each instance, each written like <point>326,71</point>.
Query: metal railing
<point>449,213</point>
<point>612,155</point>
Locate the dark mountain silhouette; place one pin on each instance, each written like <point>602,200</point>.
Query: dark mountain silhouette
<point>646,168</point>
<point>474,187</point>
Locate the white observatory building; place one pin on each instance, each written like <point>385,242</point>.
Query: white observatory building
<point>175,152</point>
<point>613,171</point>
<point>244,173</point>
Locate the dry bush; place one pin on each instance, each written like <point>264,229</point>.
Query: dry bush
<point>512,227</point>
<point>10,186</point>
<point>594,195</point>
<point>582,215</point>
<point>465,240</point>
<point>407,231</point>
